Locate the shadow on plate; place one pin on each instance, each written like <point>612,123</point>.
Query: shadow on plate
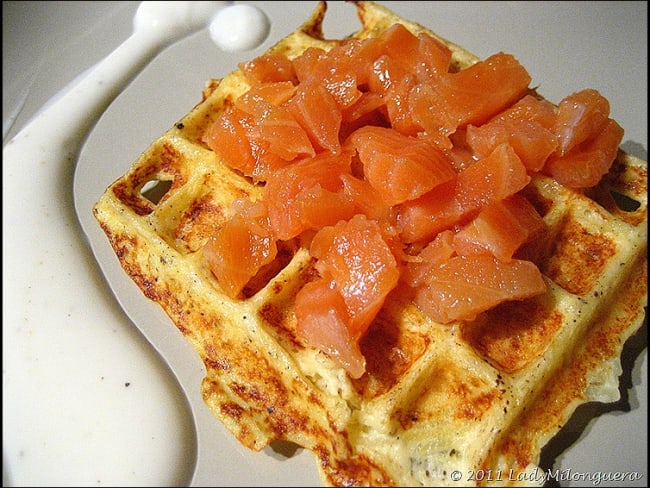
<point>580,421</point>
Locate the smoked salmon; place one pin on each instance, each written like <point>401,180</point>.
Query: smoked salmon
<point>241,247</point>
<point>392,166</point>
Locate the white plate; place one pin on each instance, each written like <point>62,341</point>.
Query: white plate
<point>87,401</point>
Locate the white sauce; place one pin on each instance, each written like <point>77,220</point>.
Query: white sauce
<point>174,19</point>
<point>239,27</point>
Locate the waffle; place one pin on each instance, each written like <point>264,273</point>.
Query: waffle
<point>439,404</point>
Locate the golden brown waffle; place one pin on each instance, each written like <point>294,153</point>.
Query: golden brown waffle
<point>487,394</point>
